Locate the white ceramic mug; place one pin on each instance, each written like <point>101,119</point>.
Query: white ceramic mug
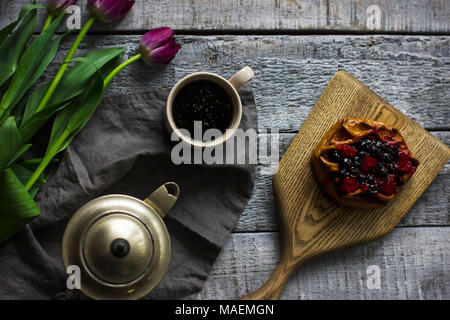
<point>231,86</point>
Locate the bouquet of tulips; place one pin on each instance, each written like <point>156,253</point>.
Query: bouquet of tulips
<point>69,100</point>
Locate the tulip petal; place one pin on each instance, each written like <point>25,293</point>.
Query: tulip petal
<point>110,10</point>
<point>127,7</point>
<point>163,54</point>
<point>156,37</point>
<point>56,7</point>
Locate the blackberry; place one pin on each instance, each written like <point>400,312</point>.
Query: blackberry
<point>363,154</point>
<point>376,152</point>
<point>343,173</point>
<point>368,146</point>
<point>363,178</point>
<point>373,188</point>
<point>379,145</point>
<point>353,172</point>
<point>335,156</point>
<point>386,157</point>
<point>357,162</point>
<point>392,151</point>
<point>400,181</point>
<point>381,170</point>
<point>392,167</point>
<point>347,162</point>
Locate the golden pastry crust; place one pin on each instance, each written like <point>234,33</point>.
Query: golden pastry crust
<point>350,169</point>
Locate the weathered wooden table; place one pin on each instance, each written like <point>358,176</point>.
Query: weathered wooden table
<point>400,49</point>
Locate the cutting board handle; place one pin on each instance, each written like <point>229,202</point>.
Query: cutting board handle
<point>273,288</point>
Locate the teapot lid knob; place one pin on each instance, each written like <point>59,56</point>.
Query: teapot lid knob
<point>120,248</point>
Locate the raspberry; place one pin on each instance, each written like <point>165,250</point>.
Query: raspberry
<point>387,186</point>
<point>349,185</point>
<point>368,164</point>
<point>347,150</point>
<point>364,187</point>
<point>404,166</point>
<point>403,155</point>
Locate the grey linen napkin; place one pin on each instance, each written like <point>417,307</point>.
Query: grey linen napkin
<point>125,149</point>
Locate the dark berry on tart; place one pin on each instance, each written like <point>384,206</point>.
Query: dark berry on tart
<point>362,163</point>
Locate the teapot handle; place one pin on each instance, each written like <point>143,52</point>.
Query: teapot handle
<point>163,198</point>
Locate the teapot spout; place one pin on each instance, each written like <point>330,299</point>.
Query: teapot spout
<point>163,199</point>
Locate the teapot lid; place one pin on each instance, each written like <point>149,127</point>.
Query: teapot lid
<point>121,246</point>
<point>117,248</point>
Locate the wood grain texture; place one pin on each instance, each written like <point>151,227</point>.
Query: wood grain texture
<point>432,209</point>
<point>311,224</point>
<point>289,15</point>
<point>409,72</point>
<point>414,264</point>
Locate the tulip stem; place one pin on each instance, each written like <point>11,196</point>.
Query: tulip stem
<point>65,64</point>
<point>46,160</point>
<point>47,22</point>
<point>119,68</point>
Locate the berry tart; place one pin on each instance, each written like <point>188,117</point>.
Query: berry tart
<point>362,163</point>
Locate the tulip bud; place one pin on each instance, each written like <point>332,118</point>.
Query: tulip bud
<point>158,46</point>
<point>56,7</point>
<point>110,10</point>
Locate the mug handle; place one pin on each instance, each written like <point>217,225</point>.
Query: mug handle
<point>241,77</point>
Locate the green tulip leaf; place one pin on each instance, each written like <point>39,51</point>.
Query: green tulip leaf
<point>13,46</point>
<point>18,110</point>
<point>5,32</point>
<point>4,88</point>
<point>69,121</point>
<point>24,173</point>
<point>33,63</point>
<point>17,206</point>
<point>72,84</point>
<point>18,154</point>
<point>11,141</point>
<point>29,128</point>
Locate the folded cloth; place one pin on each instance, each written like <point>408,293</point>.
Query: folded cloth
<point>125,149</point>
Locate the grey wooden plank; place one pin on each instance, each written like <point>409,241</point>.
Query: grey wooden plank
<point>432,209</point>
<point>410,72</point>
<point>414,263</point>
<point>292,15</point>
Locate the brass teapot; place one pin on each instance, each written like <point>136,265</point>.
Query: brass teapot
<point>120,244</point>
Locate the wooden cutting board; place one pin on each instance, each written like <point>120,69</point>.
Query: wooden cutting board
<point>313,225</point>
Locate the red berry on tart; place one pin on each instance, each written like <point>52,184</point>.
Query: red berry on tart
<point>362,163</point>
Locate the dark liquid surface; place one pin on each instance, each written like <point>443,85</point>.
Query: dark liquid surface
<point>203,101</point>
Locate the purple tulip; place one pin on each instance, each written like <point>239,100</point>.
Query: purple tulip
<point>56,7</point>
<point>158,46</point>
<point>110,10</point>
